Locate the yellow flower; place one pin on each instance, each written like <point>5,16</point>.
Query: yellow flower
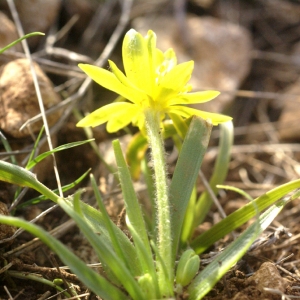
<point>153,81</point>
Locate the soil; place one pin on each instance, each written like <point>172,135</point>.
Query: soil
<point>265,109</point>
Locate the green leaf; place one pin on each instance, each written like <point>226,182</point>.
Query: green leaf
<point>16,175</point>
<point>42,156</point>
<point>146,260</point>
<point>180,125</point>
<point>149,180</point>
<point>219,174</point>
<point>96,222</point>
<point>8,148</point>
<point>168,288</point>
<point>189,218</point>
<point>65,188</point>
<point>98,284</point>
<point>207,278</point>
<point>105,253</point>
<point>186,172</point>
<point>31,157</point>
<point>241,216</point>
<point>19,40</point>
<point>133,209</point>
<point>38,278</point>
<point>33,151</point>
<point>237,190</point>
<point>110,228</point>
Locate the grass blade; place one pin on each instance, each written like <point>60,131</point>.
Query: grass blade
<point>180,125</point>
<point>98,284</point>
<point>147,260</point>
<point>207,278</point>
<point>42,156</point>
<point>8,148</point>
<point>189,218</point>
<point>38,278</point>
<point>110,228</point>
<point>133,209</point>
<point>17,175</point>
<point>65,188</point>
<point>19,40</point>
<point>106,256</point>
<point>95,221</point>
<point>186,172</point>
<point>32,154</point>
<point>241,216</point>
<point>220,172</point>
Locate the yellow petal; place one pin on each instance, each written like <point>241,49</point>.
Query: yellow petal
<point>170,60</point>
<point>150,40</point>
<point>188,112</point>
<point>139,121</point>
<point>123,119</point>
<point>175,80</point>
<point>105,113</point>
<point>192,98</point>
<point>179,75</point>
<point>136,60</point>
<point>159,59</point>
<point>186,89</point>
<point>124,80</point>
<point>111,82</point>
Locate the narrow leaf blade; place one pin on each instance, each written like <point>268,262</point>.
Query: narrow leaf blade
<point>17,175</point>
<point>42,156</point>
<point>133,209</point>
<point>98,284</point>
<point>207,278</point>
<point>241,216</point>
<point>106,256</point>
<point>186,172</point>
<point>220,171</point>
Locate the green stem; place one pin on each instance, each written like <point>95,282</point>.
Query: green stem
<point>30,276</point>
<point>162,201</point>
<point>19,40</point>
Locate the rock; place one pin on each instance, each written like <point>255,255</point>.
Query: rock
<point>268,276</point>
<point>283,11</point>
<point>221,51</point>
<point>37,15</point>
<point>203,3</point>
<point>18,98</point>
<point>288,123</point>
<point>83,9</point>
<point>8,33</point>
<point>142,7</point>
<point>290,105</point>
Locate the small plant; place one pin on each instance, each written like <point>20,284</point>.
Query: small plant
<point>155,86</point>
<point>162,260</point>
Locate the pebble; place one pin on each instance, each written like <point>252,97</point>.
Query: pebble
<point>18,97</point>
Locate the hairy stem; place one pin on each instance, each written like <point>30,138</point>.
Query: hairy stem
<point>162,201</point>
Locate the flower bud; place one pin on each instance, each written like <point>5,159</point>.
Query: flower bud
<point>146,283</point>
<point>187,268</point>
